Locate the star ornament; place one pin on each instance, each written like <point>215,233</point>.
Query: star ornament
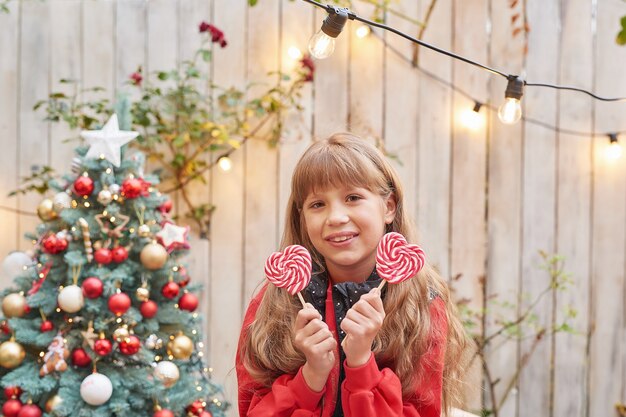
<point>108,142</point>
<point>173,237</point>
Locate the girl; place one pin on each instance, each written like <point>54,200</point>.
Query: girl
<point>401,349</point>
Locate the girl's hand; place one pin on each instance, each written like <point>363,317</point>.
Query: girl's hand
<point>361,324</point>
<point>313,338</point>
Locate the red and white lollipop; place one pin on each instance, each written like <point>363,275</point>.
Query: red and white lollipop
<point>397,260</point>
<point>290,269</point>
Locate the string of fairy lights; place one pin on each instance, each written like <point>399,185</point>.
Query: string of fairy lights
<point>322,44</point>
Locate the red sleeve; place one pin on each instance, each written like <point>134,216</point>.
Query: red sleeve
<point>368,391</point>
<point>289,396</point>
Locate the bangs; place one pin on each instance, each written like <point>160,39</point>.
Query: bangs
<point>327,165</point>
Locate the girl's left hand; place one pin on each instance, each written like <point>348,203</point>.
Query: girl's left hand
<point>361,324</point>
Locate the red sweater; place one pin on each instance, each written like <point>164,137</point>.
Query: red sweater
<point>367,391</point>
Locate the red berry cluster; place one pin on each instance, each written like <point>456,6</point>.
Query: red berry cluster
<point>217,36</point>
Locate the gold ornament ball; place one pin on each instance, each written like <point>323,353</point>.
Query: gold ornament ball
<point>181,347</point>
<point>14,305</point>
<point>153,256</point>
<point>167,372</point>
<point>142,294</point>
<point>11,354</point>
<point>143,230</point>
<point>121,333</point>
<point>53,403</point>
<point>45,210</point>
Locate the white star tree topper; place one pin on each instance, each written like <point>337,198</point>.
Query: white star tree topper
<point>108,141</point>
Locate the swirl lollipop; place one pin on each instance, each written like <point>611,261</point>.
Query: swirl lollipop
<point>397,260</point>
<point>290,269</point>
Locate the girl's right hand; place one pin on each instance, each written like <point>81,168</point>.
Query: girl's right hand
<point>313,338</point>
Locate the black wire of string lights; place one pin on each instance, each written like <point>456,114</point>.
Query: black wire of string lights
<point>322,45</point>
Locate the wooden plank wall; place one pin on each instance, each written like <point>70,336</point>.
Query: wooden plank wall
<point>485,201</point>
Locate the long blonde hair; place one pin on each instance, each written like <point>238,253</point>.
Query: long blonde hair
<point>268,350</point>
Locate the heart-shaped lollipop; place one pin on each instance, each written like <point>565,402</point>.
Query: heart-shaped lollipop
<point>290,269</point>
<point>397,260</point>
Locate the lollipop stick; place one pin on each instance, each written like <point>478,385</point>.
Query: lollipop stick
<point>302,300</point>
<point>381,285</point>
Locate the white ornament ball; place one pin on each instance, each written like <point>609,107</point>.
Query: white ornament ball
<point>71,299</point>
<point>105,197</point>
<point>14,264</point>
<point>114,188</point>
<point>167,372</point>
<point>61,201</point>
<point>96,389</point>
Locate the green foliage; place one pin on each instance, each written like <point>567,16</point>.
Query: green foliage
<point>186,123</point>
<point>516,320</point>
<point>621,35</point>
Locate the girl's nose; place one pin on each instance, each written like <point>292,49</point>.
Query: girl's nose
<point>337,215</point>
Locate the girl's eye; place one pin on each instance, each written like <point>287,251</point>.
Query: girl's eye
<point>353,197</point>
<point>316,204</point>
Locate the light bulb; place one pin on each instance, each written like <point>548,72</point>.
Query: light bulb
<point>472,119</point>
<point>362,31</point>
<point>321,45</point>
<point>225,163</point>
<point>511,111</point>
<point>294,53</point>
<point>614,150</point>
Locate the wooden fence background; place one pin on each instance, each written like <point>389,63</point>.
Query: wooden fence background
<point>485,201</point>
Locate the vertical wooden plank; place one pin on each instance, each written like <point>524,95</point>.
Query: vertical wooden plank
<point>9,116</point>
<point>434,146</point>
<point>504,162</point>
<point>98,48</point>
<point>130,39</point>
<point>607,352</point>
<point>366,92</point>
<point>331,83</point>
<point>261,163</point>
<point>34,142</point>
<point>574,209</point>
<point>401,101</point>
<point>227,228</point>
<point>297,28</point>
<point>468,234</point>
<point>65,63</point>
<point>538,201</point>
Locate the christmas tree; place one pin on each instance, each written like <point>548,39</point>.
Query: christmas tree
<point>100,319</point>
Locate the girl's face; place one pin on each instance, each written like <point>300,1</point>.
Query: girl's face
<point>345,225</point>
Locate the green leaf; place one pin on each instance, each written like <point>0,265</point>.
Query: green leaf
<point>252,3</point>
<point>206,55</point>
<point>621,37</point>
<point>163,75</point>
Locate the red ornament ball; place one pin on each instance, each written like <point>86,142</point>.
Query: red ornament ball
<point>132,187</point>
<point>61,244</point>
<point>4,326</point>
<point>119,254</point>
<point>102,347</point>
<point>188,302</point>
<point>166,207</point>
<point>30,410</point>
<point>80,358</point>
<point>205,413</point>
<point>163,413</point>
<point>119,303</point>
<point>12,392</point>
<point>11,408</point>
<point>148,309</point>
<point>103,256</point>
<point>130,345</point>
<point>51,244</point>
<point>195,408</point>
<point>83,186</point>
<point>46,326</point>
<point>92,287</point>
<point>170,290</point>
